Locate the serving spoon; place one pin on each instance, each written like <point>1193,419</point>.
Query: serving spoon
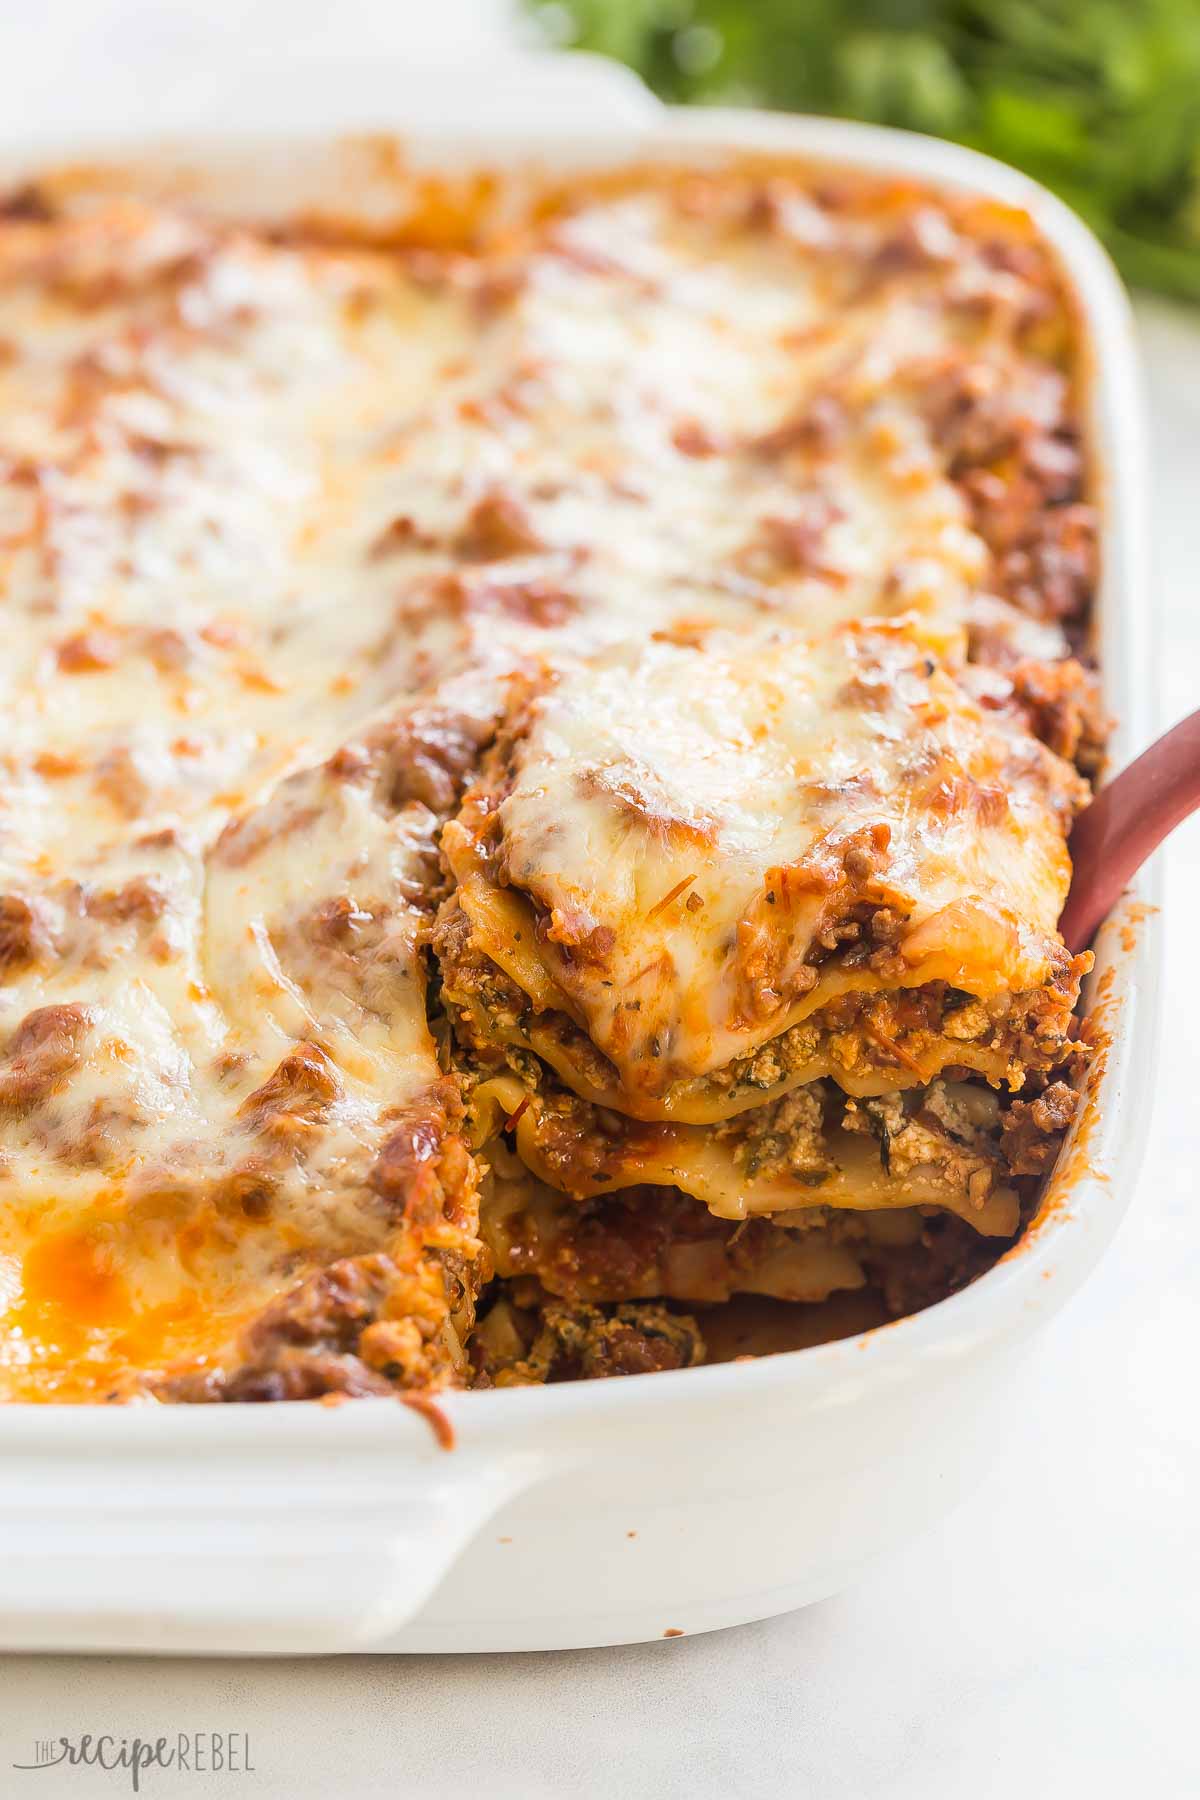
<point>1125,823</point>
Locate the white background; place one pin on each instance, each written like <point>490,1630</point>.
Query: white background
<point>1045,1641</point>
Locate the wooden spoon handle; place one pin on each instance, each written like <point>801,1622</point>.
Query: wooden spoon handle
<point>1128,819</point>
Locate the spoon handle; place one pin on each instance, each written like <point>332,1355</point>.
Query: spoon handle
<point>1128,819</point>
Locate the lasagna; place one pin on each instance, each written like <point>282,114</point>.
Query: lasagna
<point>540,741</point>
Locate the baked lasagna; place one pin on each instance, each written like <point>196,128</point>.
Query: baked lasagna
<point>539,748</point>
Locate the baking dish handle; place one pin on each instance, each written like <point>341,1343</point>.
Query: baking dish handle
<point>237,1556</point>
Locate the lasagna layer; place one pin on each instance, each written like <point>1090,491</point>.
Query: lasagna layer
<point>659,1244</point>
<point>869,1041</point>
<point>646,1279</point>
<point>813,1146</point>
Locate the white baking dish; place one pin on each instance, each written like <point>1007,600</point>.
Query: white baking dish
<point>613,1511</point>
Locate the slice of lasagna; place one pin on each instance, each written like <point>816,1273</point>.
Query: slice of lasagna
<point>718,869</point>
<point>746,918</point>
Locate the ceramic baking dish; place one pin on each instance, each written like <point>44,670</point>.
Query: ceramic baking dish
<point>612,1511</point>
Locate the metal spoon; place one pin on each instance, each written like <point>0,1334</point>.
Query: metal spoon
<point>1128,819</point>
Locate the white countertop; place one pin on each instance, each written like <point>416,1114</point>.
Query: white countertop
<point>1043,1641</point>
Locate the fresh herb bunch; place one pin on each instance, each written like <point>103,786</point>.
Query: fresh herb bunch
<point>1098,99</point>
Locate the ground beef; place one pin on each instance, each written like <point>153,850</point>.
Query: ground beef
<point>408,1168</point>
<point>580,1342</point>
<point>948,1254</point>
<point>23,935</point>
<point>299,1094</point>
<point>498,526</point>
<point>1032,1131</point>
<point>362,1325</point>
<point>46,1047</point>
<point>1063,706</point>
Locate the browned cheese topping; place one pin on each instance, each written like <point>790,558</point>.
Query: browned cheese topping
<point>538,748</point>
